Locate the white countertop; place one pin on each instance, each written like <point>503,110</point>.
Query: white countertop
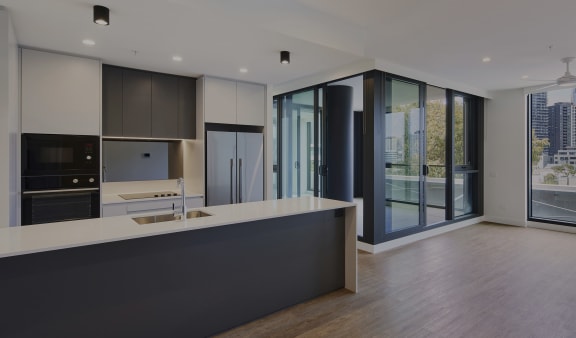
<point>53,236</point>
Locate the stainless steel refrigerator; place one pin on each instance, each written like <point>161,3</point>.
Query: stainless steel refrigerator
<point>234,167</point>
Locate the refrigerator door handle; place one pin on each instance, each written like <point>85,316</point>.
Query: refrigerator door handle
<point>240,180</point>
<point>231,180</point>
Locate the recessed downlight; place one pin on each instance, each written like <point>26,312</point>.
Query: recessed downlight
<point>88,42</point>
<point>486,59</point>
<point>177,58</point>
<point>243,70</point>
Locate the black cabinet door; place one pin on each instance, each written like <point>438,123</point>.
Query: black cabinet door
<point>136,103</point>
<point>111,101</point>
<point>186,108</point>
<point>164,106</point>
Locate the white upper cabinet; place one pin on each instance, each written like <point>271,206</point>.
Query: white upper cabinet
<point>60,94</point>
<point>231,102</point>
<point>250,104</point>
<point>219,101</point>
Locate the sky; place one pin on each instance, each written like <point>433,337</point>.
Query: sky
<point>560,95</point>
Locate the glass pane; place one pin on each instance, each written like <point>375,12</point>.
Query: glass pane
<point>435,155</point>
<point>465,186</point>
<point>553,160</point>
<point>402,156</point>
<point>459,131</point>
<point>297,144</point>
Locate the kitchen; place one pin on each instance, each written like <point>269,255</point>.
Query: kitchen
<point>152,131</point>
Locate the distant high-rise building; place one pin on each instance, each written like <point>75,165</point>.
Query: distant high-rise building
<point>573,126</point>
<point>560,121</point>
<point>574,96</point>
<point>539,112</point>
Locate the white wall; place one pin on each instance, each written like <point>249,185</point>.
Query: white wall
<point>505,148</point>
<point>9,122</point>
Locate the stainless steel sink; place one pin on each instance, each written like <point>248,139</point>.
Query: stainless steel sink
<point>168,217</point>
<point>196,214</point>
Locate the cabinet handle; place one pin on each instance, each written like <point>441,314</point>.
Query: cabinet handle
<point>239,180</point>
<point>231,180</point>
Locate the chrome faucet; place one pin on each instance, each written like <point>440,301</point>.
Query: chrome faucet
<point>181,211</point>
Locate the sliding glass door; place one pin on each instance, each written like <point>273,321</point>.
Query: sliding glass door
<point>298,154</point>
<point>403,154</point>
<point>435,170</point>
<point>431,155</point>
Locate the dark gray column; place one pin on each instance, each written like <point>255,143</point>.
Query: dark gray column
<point>339,143</point>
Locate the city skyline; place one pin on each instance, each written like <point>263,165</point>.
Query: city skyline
<point>553,119</point>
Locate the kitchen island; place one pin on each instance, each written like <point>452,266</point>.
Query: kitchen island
<point>113,277</point>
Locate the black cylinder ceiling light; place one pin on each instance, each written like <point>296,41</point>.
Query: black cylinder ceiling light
<point>101,15</point>
<point>284,57</point>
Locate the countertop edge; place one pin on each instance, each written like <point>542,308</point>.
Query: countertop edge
<point>125,224</point>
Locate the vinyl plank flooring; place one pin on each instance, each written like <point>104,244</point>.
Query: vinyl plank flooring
<point>486,280</point>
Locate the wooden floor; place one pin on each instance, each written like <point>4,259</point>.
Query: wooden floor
<point>486,280</point>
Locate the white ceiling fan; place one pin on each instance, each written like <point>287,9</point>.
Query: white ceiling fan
<point>565,81</point>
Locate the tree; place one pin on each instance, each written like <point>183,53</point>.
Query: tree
<point>436,138</point>
<point>538,146</point>
<point>410,158</point>
<point>459,134</point>
<point>550,179</point>
<point>565,170</point>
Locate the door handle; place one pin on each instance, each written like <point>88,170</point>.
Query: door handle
<point>323,170</point>
<point>231,181</point>
<point>425,169</point>
<point>240,180</point>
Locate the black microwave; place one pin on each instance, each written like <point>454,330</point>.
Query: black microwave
<point>54,154</point>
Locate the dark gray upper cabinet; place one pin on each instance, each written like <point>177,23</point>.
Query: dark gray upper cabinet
<point>138,103</point>
<point>111,101</point>
<point>186,108</point>
<point>164,106</point>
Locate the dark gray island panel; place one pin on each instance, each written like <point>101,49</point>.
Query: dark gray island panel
<point>186,284</point>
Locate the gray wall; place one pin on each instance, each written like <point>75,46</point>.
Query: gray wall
<point>126,161</point>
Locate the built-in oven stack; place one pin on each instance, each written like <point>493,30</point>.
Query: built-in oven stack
<point>60,178</point>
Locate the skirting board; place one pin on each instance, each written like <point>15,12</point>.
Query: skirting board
<point>552,227</point>
<point>506,221</point>
<point>374,249</point>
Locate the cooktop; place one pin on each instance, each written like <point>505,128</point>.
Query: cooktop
<point>154,194</point>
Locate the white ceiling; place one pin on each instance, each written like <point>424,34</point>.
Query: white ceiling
<point>444,38</point>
